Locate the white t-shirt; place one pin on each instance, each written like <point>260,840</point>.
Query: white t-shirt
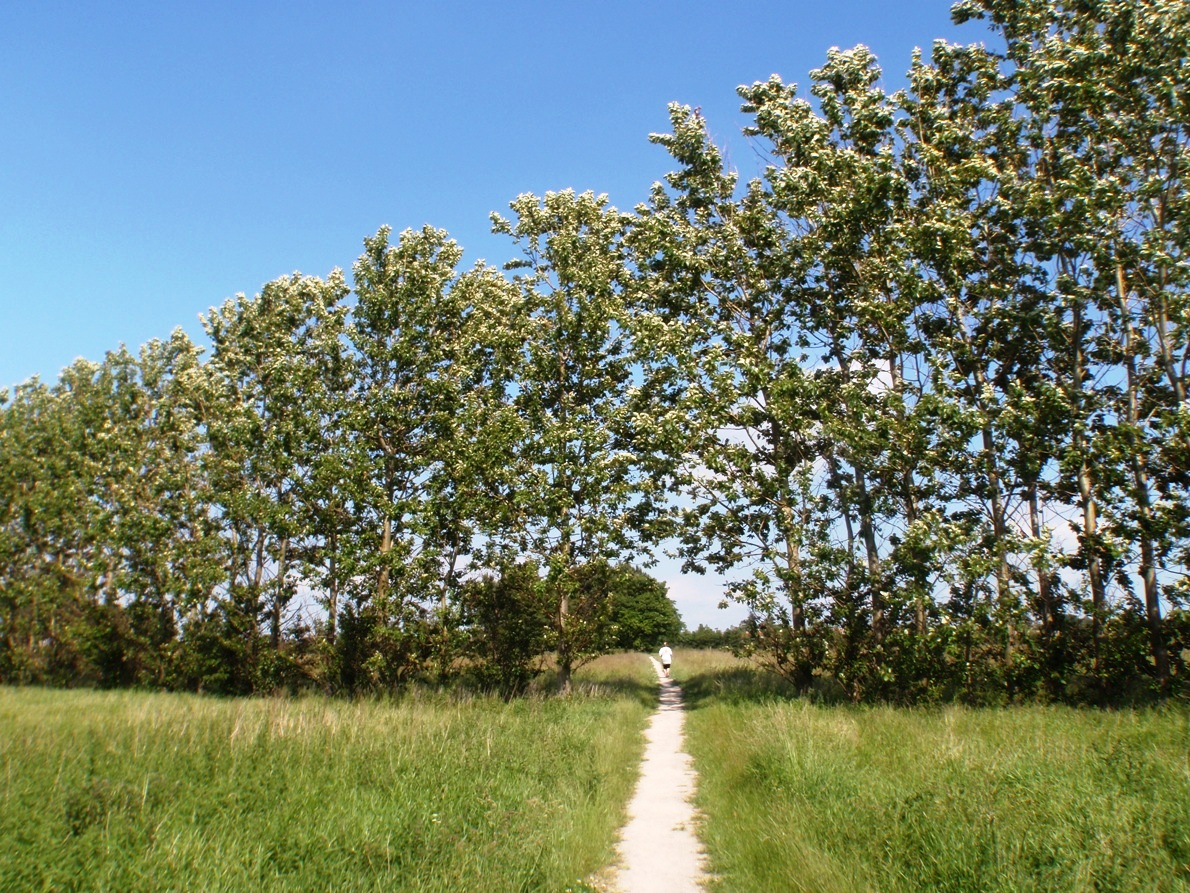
<point>667,655</point>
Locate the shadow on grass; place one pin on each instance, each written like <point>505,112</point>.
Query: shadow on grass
<point>648,695</point>
<point>603,686</point>
<point>736,685</point>
<point>754,683</point>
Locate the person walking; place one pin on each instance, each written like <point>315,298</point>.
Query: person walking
<point>667,657</point>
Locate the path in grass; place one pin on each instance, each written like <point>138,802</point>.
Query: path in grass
<point>659,852</point>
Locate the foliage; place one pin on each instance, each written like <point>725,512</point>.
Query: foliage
<point>917,392</point>
<point>923,338</point>
<point>508,621</point>
<point>642,613</point>
<point>589,464</point>
<point>704,637</point>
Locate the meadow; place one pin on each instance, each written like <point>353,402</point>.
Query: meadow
<point>805,797</point>
<point>126,791</point>
<point>433,791</point>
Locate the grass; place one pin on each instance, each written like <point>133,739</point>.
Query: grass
<point>134,791</point>
<point>628,675</point>
<point>127,791</point>
<point>799,796</point>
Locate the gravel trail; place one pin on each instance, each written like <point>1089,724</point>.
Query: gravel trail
<point>659,850</point>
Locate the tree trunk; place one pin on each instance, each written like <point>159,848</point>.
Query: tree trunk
<point>1140,481</point>
<point>1004,596</point>
<point>996,495</point>
<point>1089,541</point>
<point>565,655</point>
<point>386,545</point>
<point>896,363</point>
<point>332,607</point>
<point>1044,587</point>
<point>257,586</point>
<point>1090,545</point>
<point>278,594</point>
<point>867,531</point>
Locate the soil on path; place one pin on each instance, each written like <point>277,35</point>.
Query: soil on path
<point>659,851</point>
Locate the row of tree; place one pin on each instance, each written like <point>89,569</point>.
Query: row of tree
<point>918,391</point>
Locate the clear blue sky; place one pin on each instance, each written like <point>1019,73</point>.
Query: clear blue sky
<point>157,157</point>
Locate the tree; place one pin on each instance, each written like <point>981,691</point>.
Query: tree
<point>47,576</point>
<point>785,303</point>
<point>425,437</point>
<point>507,621</point>
<point>588,457</point>
<point>642,613</point>
<point>106,535</point>
<point>161,530</point>
<point>1102,83</point>
<point>723,313</point>
<point>262,426</point>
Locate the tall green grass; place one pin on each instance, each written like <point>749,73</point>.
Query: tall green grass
<point>134,791</point>
<point>804,797</point>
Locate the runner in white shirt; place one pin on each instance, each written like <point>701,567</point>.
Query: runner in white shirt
<point>667,657</point>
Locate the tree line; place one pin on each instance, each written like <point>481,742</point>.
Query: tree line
<point>917,391</point>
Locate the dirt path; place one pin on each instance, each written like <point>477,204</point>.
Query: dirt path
<point>659,852</point>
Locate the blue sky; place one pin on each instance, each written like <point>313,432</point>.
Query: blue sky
<point>158,158</point>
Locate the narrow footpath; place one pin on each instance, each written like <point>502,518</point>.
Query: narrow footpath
<point>659,851</point>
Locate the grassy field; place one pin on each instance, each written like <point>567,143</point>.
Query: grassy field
<point>134,791</point>
<point>814,798</point>
<point>129,791</point>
